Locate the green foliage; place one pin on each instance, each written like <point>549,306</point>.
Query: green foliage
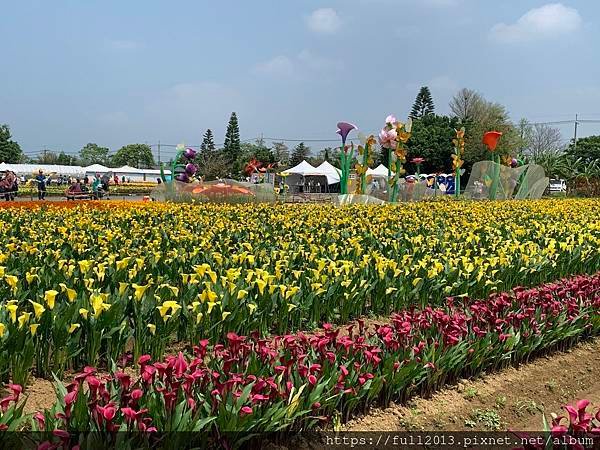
<point>587,148</point>
<point>231,147</point>
<point>431,139</point>
<point>281,153</point>
<point>423,105</point>
<point>257,150</point>
<point>135,155</point>
<point>92,153</point>
<point>10,151</point>
<point>491,116</point>
<point>48,157</point>
<point>300,153</point>
<point>208,142</point>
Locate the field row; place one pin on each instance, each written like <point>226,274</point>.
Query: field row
<point>252,384</point>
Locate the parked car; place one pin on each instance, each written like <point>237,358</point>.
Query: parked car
<point>557,186</point>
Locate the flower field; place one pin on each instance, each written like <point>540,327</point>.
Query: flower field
<point>98,284</point>
<point>88,281</point>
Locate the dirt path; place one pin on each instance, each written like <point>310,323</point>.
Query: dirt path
<point>512,399</point>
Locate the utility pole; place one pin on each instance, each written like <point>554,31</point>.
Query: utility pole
<point>575,135</point>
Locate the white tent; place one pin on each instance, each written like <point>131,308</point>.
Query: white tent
<point>31,169</point>
<point>303,168</point>
<point>379,171</point>
<point>97,168</point>
<point>128,169</point>
<point>331,172</point>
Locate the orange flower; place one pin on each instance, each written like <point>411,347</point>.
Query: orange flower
<point>491,138</point>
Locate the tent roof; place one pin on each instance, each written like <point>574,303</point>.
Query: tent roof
<point>331,172</point>
<point>128,169</point>
<point>379,171</point>
<point>303,168</point>
<point>30,169</point>
<point>97,168</point>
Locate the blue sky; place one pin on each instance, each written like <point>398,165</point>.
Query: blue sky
<point>117,72</point>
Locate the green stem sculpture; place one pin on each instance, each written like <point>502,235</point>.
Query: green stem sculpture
<point>389,177</point>
<point>495,176</point>
<point>363,177</point>
<point>457,182</point>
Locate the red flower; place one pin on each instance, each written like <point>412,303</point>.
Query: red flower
<point>246,410</point>
<point>417,160</point>
<point>491,138</point>
<point>40,419</point>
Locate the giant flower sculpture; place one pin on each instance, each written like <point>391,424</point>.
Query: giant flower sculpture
<point>346,154</point>
<point>182,165</point>
<point>393,137</point>
<point>457,161</point>
<point>490,140</point>
<point>365,152</point>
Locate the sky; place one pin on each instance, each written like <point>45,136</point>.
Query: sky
<point>118,72</point>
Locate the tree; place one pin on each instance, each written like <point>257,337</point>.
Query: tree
<point>67,160</point>
<point>10,151</point>
<point>540,140</point>
<point>211,165</point>
<point>478,116</point>
<point>587,148</point>
<point>208,143</point>
<point>423,105</point>
<point>432,139</point>
<point>299,154</point>
<point>93,154</point>
<point>281,153</point>
<point>467,105</point>
<point>257,150</point>
<point>135,155</point>
<point>231,147</point>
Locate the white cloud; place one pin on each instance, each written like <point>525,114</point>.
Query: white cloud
<point>551,20</point>
<point>305,65</point>
<point>279,67</point>
<point>324,20</point>
<point>123,45</point>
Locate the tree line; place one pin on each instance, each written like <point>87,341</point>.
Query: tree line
<point>431,139</point>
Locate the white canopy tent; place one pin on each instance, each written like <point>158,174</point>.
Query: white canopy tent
<point>97,168</point>
<point>303,168</point>
<point>331,172</point>
<point>379,171</point>
<point>33,169</point>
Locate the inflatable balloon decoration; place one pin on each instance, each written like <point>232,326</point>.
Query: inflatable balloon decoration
<point>457,161</point>
<point>346,154</point>
<point>490,139</point>
<point>393,137</point>
<point>182,165</point>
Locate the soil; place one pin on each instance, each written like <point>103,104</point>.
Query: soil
<point>514,399</point>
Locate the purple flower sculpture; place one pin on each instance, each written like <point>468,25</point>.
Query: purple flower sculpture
<point>183,177</point>
<point>344,129</point>
<point>189,153</point>
<point>190,169</point>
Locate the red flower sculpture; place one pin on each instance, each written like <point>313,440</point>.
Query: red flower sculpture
<point>491,138</point>
<point>252,166</point>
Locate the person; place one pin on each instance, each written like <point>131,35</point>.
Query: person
<point>41,180</point>
<point>7,185</point>
<point>97,186</point>
<point>74,190</point>
<point>116,179</point>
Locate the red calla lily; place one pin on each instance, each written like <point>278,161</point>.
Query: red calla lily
<point>491,138</point>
